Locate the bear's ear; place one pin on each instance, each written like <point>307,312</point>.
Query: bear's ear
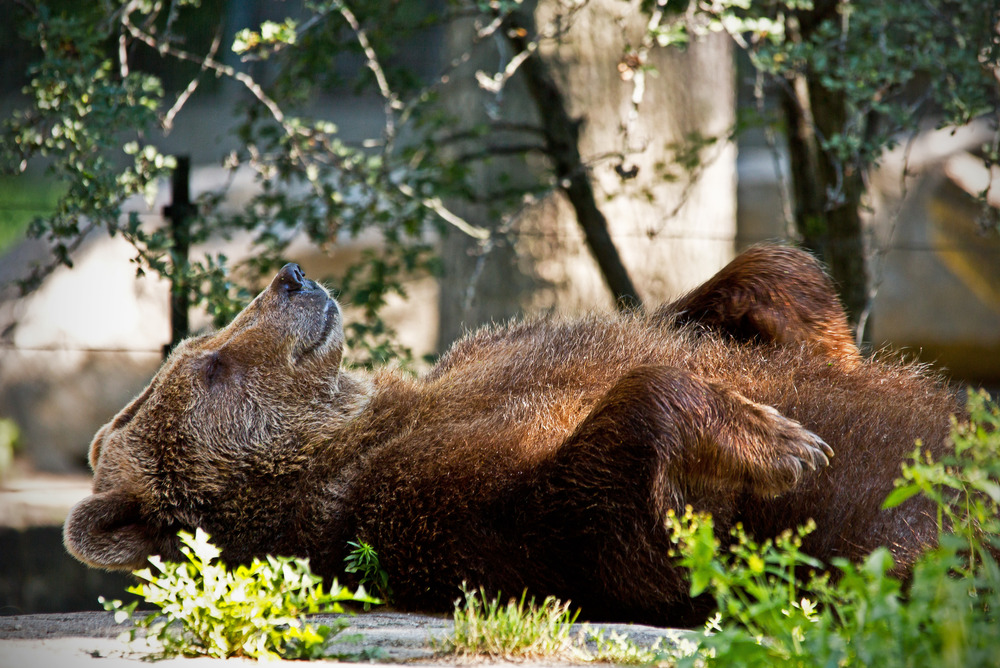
<point>107,530</point>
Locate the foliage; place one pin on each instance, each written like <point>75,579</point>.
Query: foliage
<point>518,629</point>
<point>775,608</point>
<point>96,106</point>
<point>10,436</point>
<point>206,609</point>
<point>620,650</point>
<point>79,107</point>
<point>104,92</point>
<point>363,560</point>
<point>892,65</point>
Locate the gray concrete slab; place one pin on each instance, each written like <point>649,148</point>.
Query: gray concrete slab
<point>92,639</point>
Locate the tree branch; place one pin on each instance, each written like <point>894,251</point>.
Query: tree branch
<point>561,134</point>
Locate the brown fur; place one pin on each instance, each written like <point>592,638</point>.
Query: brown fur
<point>540,455</point>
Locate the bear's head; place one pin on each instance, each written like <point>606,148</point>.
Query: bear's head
<point>219,434</point>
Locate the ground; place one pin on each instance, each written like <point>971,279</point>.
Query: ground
<point>89,639</point>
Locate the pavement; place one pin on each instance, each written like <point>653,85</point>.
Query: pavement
<point>92,640</point>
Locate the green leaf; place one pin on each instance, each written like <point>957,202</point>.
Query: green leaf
<point>899,495</point>
<point>988,487</point>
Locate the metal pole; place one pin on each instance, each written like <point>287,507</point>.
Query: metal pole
<point>179,214</point>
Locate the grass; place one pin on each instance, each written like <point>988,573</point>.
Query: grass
<point>22,199</point>
<point>521,630</point>
<point>517,629</point>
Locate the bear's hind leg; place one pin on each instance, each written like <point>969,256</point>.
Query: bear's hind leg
<point>769,294</point>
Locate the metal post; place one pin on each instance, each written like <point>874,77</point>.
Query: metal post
<point>179,214</point>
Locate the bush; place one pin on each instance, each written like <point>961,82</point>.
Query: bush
<point>258,611</point>
<point>947,615</point>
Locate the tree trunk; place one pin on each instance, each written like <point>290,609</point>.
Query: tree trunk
<point>827,190</point>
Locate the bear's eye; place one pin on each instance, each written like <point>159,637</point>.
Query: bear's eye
<point>213,368</point>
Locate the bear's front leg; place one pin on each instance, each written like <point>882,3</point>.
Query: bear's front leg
<point>659,439</point>
<point>683,434</point>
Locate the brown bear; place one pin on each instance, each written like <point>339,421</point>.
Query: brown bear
<point>540,455</point>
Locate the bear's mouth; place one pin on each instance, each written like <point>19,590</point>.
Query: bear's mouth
<point>330,315</point>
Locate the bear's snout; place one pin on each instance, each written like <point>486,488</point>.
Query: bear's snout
<point>289,279</point>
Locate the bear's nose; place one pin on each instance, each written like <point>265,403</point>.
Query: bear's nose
<point>290,278</point>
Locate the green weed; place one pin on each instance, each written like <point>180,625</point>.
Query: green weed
<point>619,649</point>
<point>517,629</point>
<point>363,560</point>
<point>258,611</point>
<point>522,629</point>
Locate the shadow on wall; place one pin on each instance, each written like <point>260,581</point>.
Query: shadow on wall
<point>38,575</point>
<point>59,399</point>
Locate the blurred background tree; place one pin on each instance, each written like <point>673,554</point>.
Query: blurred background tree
<point>855,78</point>
<point>108,78</point>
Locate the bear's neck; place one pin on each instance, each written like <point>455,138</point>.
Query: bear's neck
<point>361,417</point>
<point>352,392</point>
<point>320,430</point>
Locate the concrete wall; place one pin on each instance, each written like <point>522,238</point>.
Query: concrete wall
<point>936,272</point>
<point>671,233</point>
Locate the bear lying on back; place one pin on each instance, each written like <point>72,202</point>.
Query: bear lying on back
<point>540,455</point>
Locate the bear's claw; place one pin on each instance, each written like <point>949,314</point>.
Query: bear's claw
<point>794,449</point>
